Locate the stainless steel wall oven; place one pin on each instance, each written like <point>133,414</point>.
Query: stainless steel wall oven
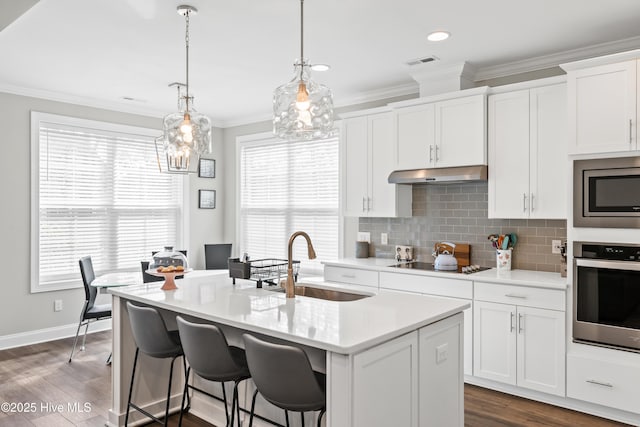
<point>606,295</point>
<point>606,192</point>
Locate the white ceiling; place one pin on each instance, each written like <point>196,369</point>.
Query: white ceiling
<point>96,52</point>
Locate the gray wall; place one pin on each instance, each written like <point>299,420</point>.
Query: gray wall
<point>458,213</point>
<point>20,310</point>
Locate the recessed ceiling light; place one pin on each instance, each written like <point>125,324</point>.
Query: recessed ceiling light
<point>320,67</point>
<point>438,36</point>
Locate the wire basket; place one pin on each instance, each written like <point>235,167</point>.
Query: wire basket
<point>269,270</point>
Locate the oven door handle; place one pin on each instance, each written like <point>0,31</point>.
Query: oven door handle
<point>612,265</point>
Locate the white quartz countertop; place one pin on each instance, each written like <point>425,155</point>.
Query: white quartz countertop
<point>541,279</point>
<point>341,327</point>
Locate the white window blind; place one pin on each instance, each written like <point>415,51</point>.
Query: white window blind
<point>97,191</point>
<point>287,187</point>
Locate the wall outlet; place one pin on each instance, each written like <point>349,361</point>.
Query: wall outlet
<point>57,305</point>
<point>364,236</point>
<point>555,246</point>
<point>442,352</point>
<point>384,239</point>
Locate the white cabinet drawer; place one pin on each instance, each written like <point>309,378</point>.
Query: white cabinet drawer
<point>520,295</point>
<point>603,382</point>
<point>351,275</point>
<point>431,285</point>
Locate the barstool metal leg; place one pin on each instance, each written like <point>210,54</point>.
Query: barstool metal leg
<point>322,411</point>
<point>286,417</point>
<point>133,374</point>
<point>184,395</point>
<point>237,403</point>
<point>253,407</point>
<point>166,411</point>
<point>224,397</point>
<point>302,418</point>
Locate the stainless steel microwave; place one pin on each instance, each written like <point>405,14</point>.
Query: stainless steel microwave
<point>606,192</point>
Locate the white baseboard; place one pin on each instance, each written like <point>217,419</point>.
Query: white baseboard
<point>50,334</point>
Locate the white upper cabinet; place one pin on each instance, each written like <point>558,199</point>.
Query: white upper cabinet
<point>369,156</point>
<point>461,132</point>
<point>416,136</point>
<point>442,133</point>
<point>528,154</point>
<point>602,109</point>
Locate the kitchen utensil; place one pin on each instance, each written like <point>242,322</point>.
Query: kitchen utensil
<point>445,260</point>
<point>505,242</point>
<point>513,239</point>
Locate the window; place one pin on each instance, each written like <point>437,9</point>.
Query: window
<point>287,187</point>
<point>96,190</point>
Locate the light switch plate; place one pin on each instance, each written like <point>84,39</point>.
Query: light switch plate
<point>555,246</point>
<point>57,305</point>
<point>442,352</point>
<point>364,236</point>
<point>384,239</point>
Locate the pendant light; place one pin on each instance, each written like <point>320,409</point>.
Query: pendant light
<point>187,133</point>
<point>302,108</point>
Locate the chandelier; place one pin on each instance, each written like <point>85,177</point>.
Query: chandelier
<point>187,133</point>
<point>302,108</point>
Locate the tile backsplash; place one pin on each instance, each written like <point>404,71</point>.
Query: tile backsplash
<point>458,213</point>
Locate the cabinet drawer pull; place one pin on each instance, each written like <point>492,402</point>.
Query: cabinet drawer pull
<point>524,202</point>
<point>363,204</point>
<point>520,328</point>
<point>437,158</point>
<point>600,383</point>
<point>513,316</point>
<point>532,208</point>
<point>515,296</point>
<point>368,204</point>
<point>349,276</point>
<point>431,153</point>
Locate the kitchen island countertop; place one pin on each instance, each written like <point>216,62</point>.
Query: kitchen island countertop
<point>340,327</point>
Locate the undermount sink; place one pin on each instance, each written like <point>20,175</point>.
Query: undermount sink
<point>324,293</point>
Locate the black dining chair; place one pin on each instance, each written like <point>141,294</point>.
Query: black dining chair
<point>216,256</point>
<point>90,311</point>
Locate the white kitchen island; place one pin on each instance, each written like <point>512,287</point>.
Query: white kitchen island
<point>391,358</point>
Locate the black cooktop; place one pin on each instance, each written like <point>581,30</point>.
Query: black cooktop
<point>417,265</point>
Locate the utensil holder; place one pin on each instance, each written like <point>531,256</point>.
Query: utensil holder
<point>362,249</point>
<point>503,259</point>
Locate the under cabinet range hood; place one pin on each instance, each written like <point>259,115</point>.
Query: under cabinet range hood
<point>439,175</point>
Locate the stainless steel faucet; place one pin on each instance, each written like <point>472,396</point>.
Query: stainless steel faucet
<point>290,285</point>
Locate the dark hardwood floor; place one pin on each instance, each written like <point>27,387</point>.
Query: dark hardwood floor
<point>40,385</point>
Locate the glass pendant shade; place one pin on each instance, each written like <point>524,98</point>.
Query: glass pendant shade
<point>187,136</point>
<point>186,133</point>
<point>302,108</point>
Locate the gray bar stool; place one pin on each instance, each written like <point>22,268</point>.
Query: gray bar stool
<point>153,339</point>
<point>284,377</point>
<point>210,357</point>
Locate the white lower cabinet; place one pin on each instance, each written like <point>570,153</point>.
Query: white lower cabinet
<point>604,382</point>
<point>520,345</point>
<point>426,384</point>
<point>353,276</point>
<point>461,290</point>
<point>375,390</point>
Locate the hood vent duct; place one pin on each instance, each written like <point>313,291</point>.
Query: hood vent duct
<point>439,175</point>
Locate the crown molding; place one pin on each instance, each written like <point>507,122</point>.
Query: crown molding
<point>555,59</point>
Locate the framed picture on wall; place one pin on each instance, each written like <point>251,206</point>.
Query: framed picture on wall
<point>207,199</point>
<point>207,168</point>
